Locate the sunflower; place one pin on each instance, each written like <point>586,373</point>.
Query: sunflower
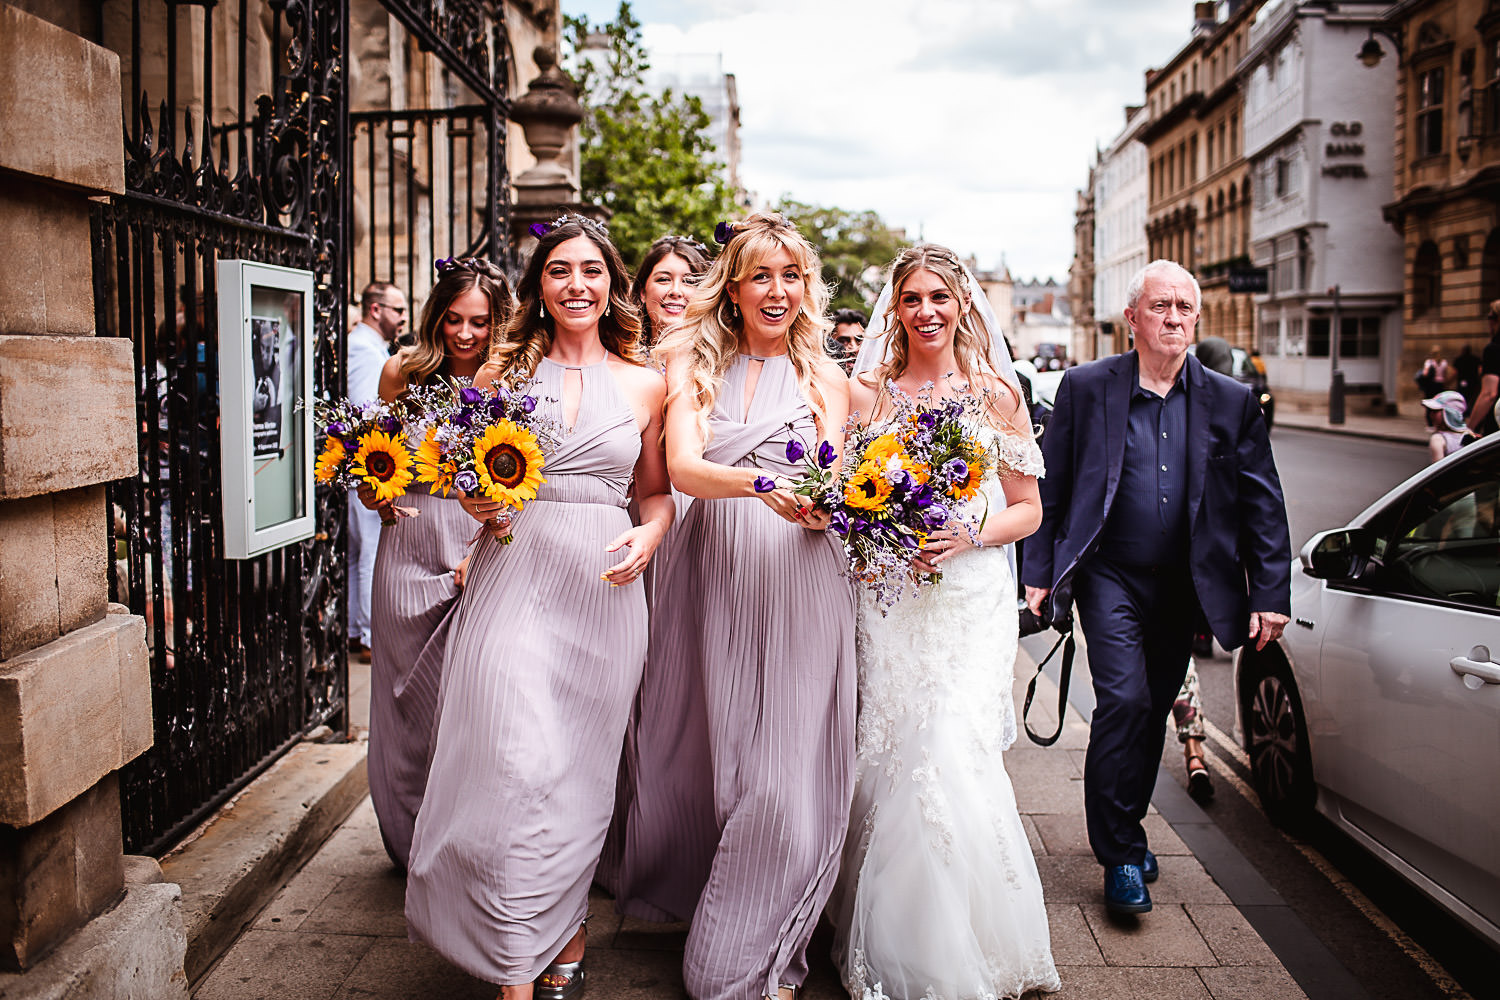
<point>331,460</point>
<point>509,463</point>
<point>882,448</point>
<point>867,489</point>
<point>966,486</point>
<point>384,464</point>
<point>433,468</point>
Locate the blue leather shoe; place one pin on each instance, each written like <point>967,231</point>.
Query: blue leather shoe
<point>1149,870</point>
<point>1125,890</point>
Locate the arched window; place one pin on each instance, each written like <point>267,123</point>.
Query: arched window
<point>1489,270</point>
<point>1426,279</point>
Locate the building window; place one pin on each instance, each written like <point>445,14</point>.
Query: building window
<point>1270,338</point>
<point>1489,270</point>
<point>1430,112</point>
<point>1294,342</point>
<point>1359,337</point>
<point>1491,121</point>
<point>1426,280</point>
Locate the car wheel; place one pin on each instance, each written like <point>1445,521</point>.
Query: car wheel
<point>1276,741</point>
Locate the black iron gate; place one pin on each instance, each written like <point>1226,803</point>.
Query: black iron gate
<point>239,146</point>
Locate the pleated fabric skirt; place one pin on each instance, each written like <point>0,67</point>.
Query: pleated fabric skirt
<point>543,661</point>
<point>412,604</point>
<point>745,746</point>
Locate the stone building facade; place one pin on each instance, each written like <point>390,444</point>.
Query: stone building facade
<point>1199,186</point>
<point>1120,197</point>
<point>1446,188</point>
<point>1317,128</point>
<point>1081,274</point>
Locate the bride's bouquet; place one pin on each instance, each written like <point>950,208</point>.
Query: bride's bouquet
<point>477,442</point>
<point>901,480</point>
<point>363,444</point>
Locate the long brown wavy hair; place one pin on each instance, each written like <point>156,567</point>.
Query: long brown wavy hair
<point>427,356</point>
<point>971,340</point>
<point>709,334</point>
<point>529,334</point>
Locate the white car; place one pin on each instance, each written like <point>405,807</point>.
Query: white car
<point>1380,707</point>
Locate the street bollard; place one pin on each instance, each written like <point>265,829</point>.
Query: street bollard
<point>1336,398</point>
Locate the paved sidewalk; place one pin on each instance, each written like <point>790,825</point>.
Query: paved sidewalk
<point>1404,427</point>
<point>336,930</point>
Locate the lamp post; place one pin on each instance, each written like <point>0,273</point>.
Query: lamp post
<point>1336,376</point>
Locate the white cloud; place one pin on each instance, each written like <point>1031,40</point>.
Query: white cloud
<point>972,122</point>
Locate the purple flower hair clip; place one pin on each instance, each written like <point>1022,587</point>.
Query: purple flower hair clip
<point>541,229</point>
<point>725,231</point>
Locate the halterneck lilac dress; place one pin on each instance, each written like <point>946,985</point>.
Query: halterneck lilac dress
<point>543,662</point>
<point>745,742</point>
<point>411,608</point>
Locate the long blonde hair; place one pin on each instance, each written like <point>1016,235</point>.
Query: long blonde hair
<point>428,356</point>
<point>708,337</point>
<point>971,340</point>
<point>528,335</point>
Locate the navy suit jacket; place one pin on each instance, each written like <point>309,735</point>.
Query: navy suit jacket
<point>1239,548</point>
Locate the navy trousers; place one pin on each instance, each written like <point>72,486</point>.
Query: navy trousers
<point>1139,623</point>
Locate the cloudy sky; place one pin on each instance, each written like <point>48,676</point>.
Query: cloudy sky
<point>971,122</point>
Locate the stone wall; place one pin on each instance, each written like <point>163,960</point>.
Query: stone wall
<point>75,695</point>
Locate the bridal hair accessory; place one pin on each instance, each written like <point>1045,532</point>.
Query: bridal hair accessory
<point>541,229</point>
<point>726,231</point>
<point>471,264</point>
<point>695,244</point>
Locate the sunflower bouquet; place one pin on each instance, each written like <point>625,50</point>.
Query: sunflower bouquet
<point>901,480</point>
<point>363,444</point>
<point>485,442</point>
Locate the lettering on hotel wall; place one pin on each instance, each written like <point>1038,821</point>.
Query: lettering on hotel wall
<point>1345,145</point>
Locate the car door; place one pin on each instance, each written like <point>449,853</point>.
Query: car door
<point>1411,684</point>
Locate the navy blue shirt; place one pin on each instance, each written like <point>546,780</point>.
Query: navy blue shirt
<point>1147,523</point>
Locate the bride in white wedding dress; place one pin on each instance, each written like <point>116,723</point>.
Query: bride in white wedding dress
<point>939,897</point>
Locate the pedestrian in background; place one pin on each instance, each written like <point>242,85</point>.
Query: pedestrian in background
<point>1432,377</point>
<point>1161,504</point>
<point>1448,435</point>
<point>848,333</point>
<point>382,315</point>
<point>1482,417</point>
<point>1466,374</point>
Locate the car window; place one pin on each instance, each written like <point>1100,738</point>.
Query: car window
<point>1445,545</point>
<point>1242,367</point>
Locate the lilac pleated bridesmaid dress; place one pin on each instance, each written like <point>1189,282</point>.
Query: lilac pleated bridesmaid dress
<point>744,755</point>
<point>544,659</point>
<point>411,607</point>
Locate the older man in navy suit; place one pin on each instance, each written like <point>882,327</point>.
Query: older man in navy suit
<point>1161,508</point>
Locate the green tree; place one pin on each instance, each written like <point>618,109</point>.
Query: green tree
<point>648,159</point>
<point>857,248</point>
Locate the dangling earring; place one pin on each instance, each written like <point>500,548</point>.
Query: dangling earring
<point>734,311</point>
<point>606,307</point>
<point>541,310</point>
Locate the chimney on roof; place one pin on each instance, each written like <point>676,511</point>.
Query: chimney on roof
<point>1203,15</point>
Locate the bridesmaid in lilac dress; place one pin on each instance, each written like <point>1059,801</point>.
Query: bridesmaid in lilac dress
<point>751,664</point>
<point>419,566</point>
<point>660,290</point>
<point>548,642</point>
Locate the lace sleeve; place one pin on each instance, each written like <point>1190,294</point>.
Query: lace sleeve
<point>1018,456</point>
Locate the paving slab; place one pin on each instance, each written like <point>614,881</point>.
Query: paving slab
<point>282,965</point>
<point>1072,941</point>
<point>1251,983</point>
<point>292,904</point>
<point>398,968</point>
<point>1088,983</point>
<point>1229,934</point>
<point>373,907</point>
<point>1163,937</point>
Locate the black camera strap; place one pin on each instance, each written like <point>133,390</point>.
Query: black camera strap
<point>1066,643</point>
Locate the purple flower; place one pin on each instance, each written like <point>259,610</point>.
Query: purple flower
<point>927,421</point>
<point>839,522</point>
<point>338,429</point>
<point>468,395</point>
<point>466,480</point>
<point>794,450</point>
<point>388,424</point>
<point>922,497</point>
<point>528,403</point>
<point>540,229</point>
<point>464,418</point>
<point>497,408</point>
<point>859,525</point>
<point>826,455</point>
<point>935,516</point>
<point>957,470</point>
<point>764,484</point>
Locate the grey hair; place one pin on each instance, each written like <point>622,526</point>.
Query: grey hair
<point>1138,282</point>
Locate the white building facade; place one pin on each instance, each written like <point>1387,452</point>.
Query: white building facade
<point>1120,202</point>
<point>1318,133</point>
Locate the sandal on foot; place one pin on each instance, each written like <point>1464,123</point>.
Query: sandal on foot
<point>559,981</point>
<point>1200,785</point>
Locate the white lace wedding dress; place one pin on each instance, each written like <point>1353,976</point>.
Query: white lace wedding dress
<point>939,897</point>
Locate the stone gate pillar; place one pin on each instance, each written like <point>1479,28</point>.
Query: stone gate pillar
<point>77,918</point>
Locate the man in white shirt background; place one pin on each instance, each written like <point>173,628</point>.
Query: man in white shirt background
<point>382,317</point>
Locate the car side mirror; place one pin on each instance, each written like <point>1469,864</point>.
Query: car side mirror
<point>1338,556</point>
